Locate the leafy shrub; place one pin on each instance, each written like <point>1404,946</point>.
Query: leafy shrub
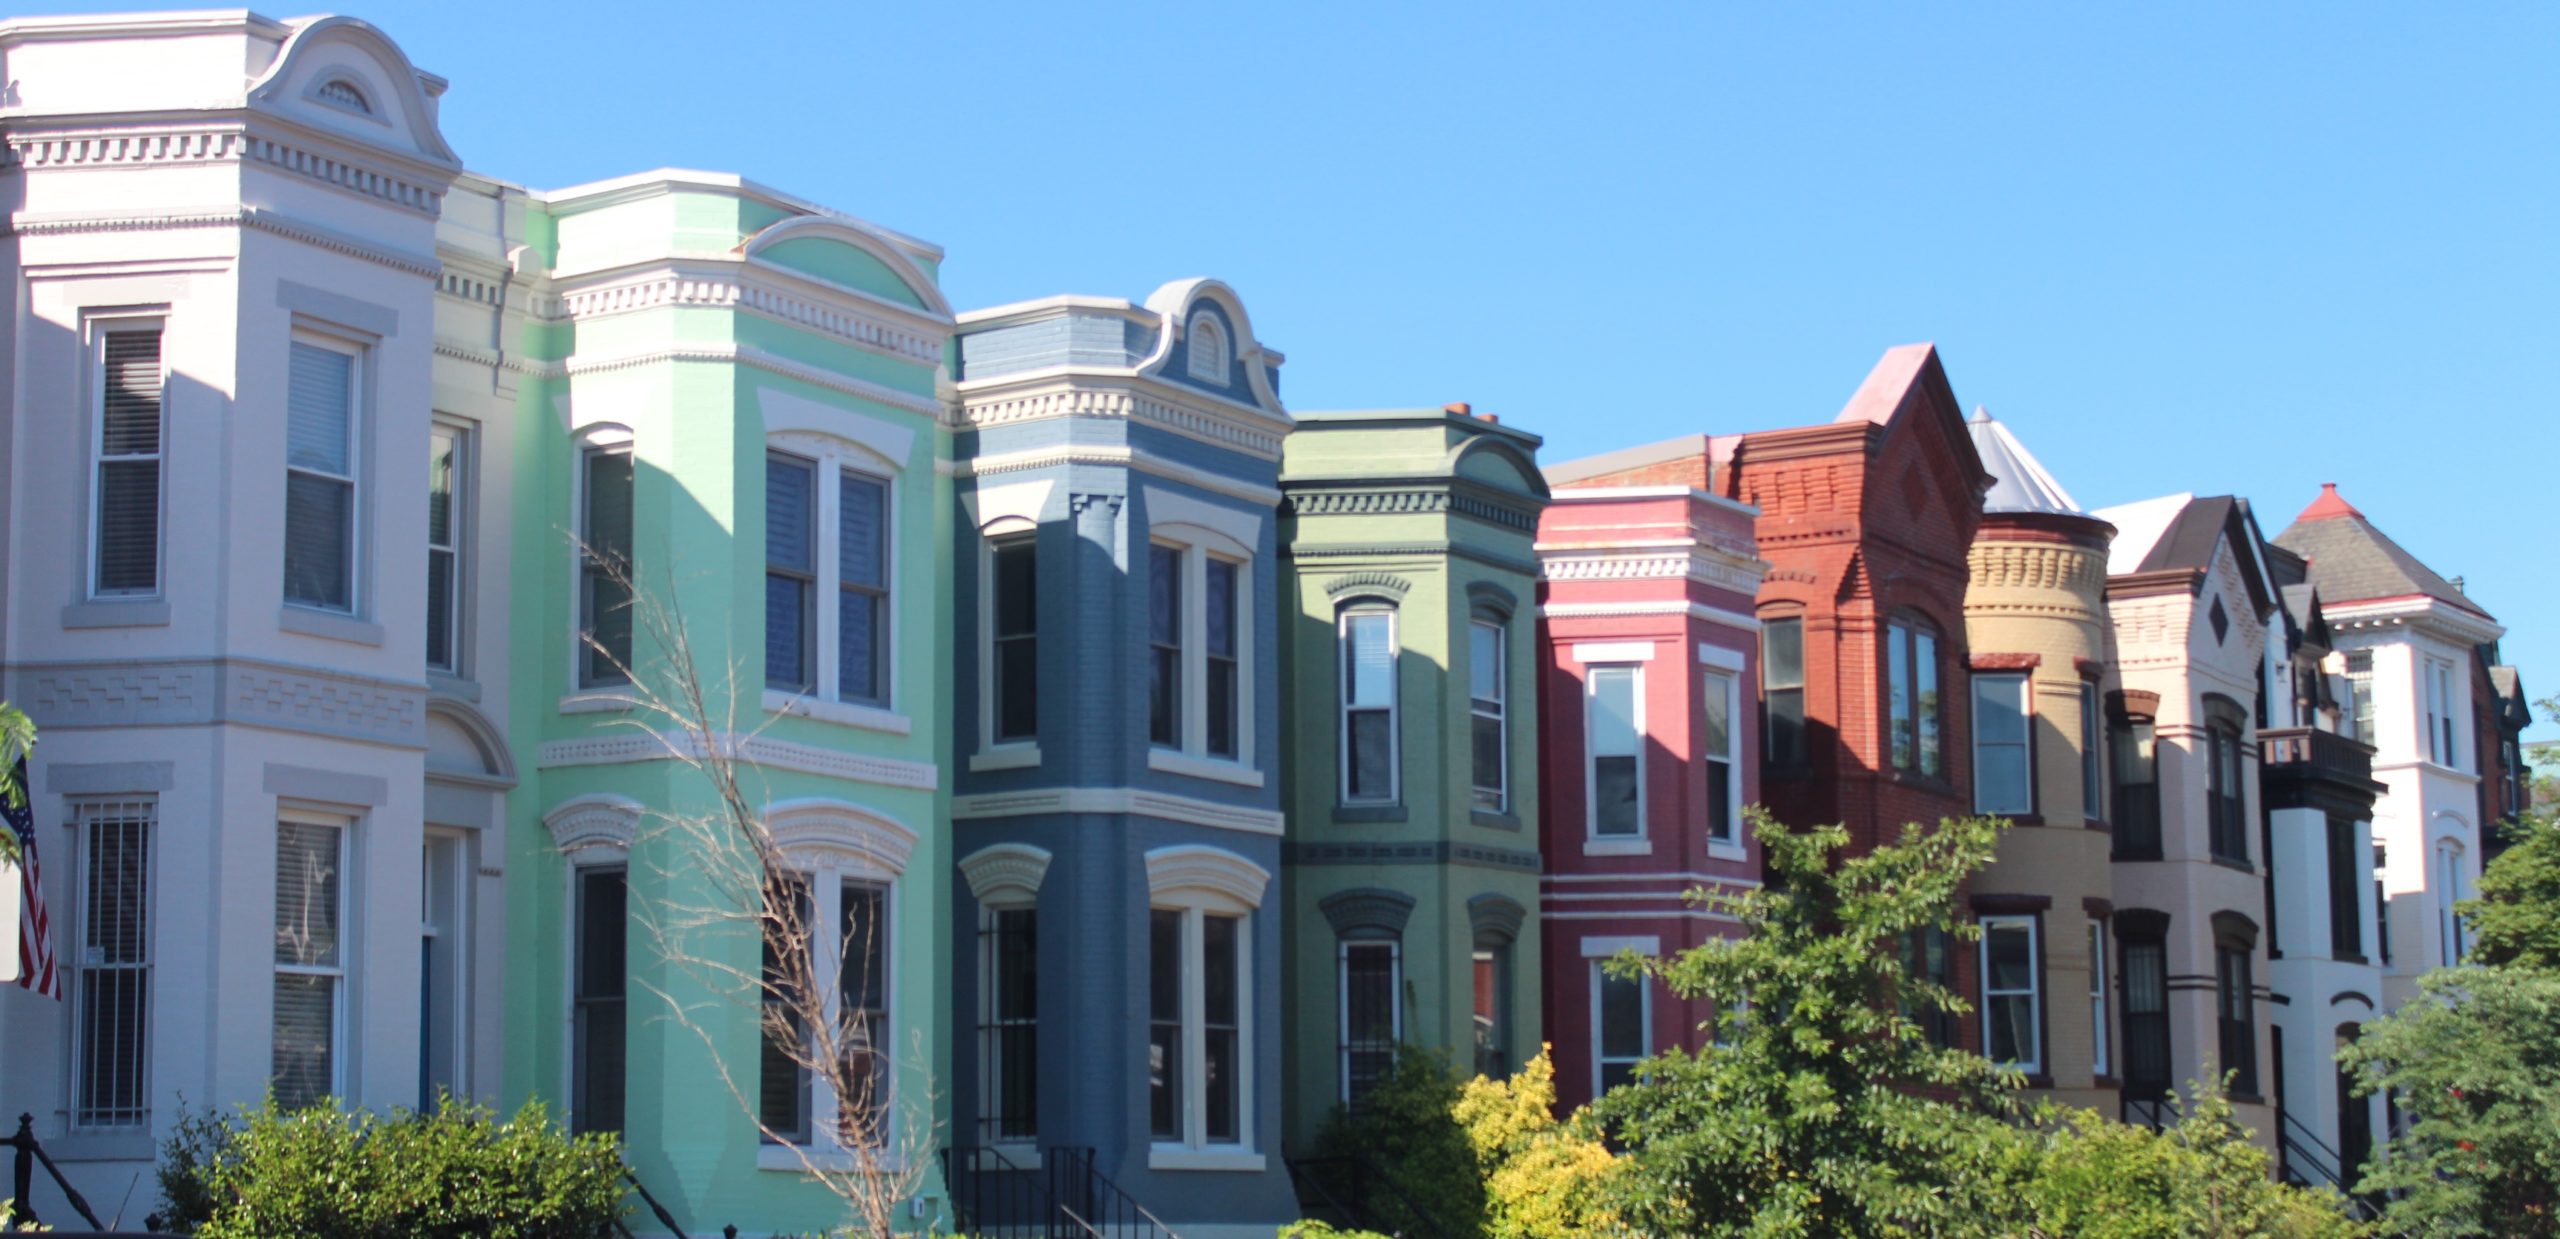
<point>328,1173</point>
<point>1543,1179</point>
<point>2082,1174</point>
<point>1416,1169</point>
<point>1325,1230</point>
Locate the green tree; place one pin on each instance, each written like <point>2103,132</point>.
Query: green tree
<point>17,738</point>
<point>1826,1111</point>
<point>2516,919</point>
<point>1543,1179</point>
<point>2476,1064</point>
<point>1413,1169</point>
<point>2078,1173</point>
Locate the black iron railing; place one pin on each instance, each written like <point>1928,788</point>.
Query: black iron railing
<point>2155,1113</point>
<point>1363,1198</point>
<point>1065,1196</point>
<point>2306,1160</point>
<point>665,1218</point>
<point>1089,1199</point>
<point>22,1179</point>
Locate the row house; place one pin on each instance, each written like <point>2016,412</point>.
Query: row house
<point>1413,793</point>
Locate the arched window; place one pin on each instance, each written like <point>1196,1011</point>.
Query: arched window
<point>1782,735</point>
<point>1367,638</point>
<point>2226,796</point>
<point>339,92</point>
<point>1207,348</point>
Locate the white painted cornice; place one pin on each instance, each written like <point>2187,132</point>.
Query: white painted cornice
<point>1113,456</point>
<point>1614,610</point>
<point>1117,800</point>
<point>729,282</point>
<point>260,218</point>
<point>2431,615</point>
<point>1711,565</point>
<point>738,355</point>
<point>234,136</point>
<point>1119,392</point>
<point>658,183</point>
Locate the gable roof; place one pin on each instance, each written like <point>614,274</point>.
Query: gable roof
<point>2351,561</point>
<point>2019,482</point>
<point>1910,374</point>
<point>2178,533</point>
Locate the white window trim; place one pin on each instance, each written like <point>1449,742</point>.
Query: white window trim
<point>86,813</point>
<point>1194,547</point>
<point>359,378</point>
<point>1395,701</point>
<point>457,988</point>
<point>828,869</point>
<point>1500,627</point>
<point>994,754</point>
<point>463,528</point>
<point>2025,745</point>
<point>584,697</point>
<point>1600,1059</point>
<point>991,1084</point>
<point>350,942</point>
<point>2449,876</point>
<point>1729,682</point>
<point>1594,842</point>
<point>1342,949</point>
<point>98,328</point>
<point>2100,1060</point>
<point>831,458</point>
<point>1197,880</point>
<point>593,831</point>
<point>2033,1064</point>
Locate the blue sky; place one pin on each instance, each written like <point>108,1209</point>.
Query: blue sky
<point>2210,248</point>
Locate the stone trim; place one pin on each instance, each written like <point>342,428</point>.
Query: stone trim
<point>222,691</point>
<point>2007,662</point>
<point>211,146</point>
<point>627,749</point>
<point>108,778</point>
<point>1082,399</point>
<point>326,786</point>
<point>1005,868</point>
<point>1199,867</point>
<point>1367,912</point>
<point>1495,918</point>
<point>1440,853</point>
<point>815,830</point>
<point>1342,588</point>
<point>600,820</point>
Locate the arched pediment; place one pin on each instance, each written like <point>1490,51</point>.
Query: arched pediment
<point>819,830</point>
<point>462,741</point>
<point>1496,461</point>
<point>1367,912</point>
<point>398,109</point>
<point>1495,918</point>
<point>1217,871</point>
<point>1173,306</point>
<point>849,256</point>
<point>600,820</point>
<point>1005,870</point>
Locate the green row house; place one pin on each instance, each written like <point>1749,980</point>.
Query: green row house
<point>1410,672</point>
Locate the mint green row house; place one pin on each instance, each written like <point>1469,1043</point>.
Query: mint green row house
<point>735,393</point>
<point>1409,658</point>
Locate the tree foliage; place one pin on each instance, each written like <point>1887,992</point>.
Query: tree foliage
<point>1543,1179</point>
<point>2475,1063</point>
<point>1413,1168</point>
<point>17,739</point>
<point>1826,1110</point>
<point>2078,1173</point>
<point>2516,919</point>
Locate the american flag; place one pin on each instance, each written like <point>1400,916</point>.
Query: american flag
<point>36,969</point>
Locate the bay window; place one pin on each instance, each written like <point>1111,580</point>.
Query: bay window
<point>2100,1062</point>
<point>111,1056</point>
<point>599,991</point>
<point>1717,693</point>
<point>790,572</point>
<point>2093,803</point>
<point>321,454</point>
<point>827,594</point>
<point>1488,698</point>
<point>310,959</point>
<point>2137,790</point>
<point>1164,645</point>
<point>2225,798</point>
<point>2012,993</point>
<point>1014,640</point>
<point>1782,736</point>
<point>1196,633</point>
<point>448,497</point>
<point>129,449</point>
<point>1372,1021</point>
<point>1196,1009</point>
<point>1911,674</point>
<point>1009,1024</point>
<point>2234,1005</point>
<point>604,564</point>
<point>832,930</point>
<point>1370,745</point>
<point>2003,773</point>
<point>1614,751</point>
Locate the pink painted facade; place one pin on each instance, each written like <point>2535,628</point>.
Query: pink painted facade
<point>1651,743</point>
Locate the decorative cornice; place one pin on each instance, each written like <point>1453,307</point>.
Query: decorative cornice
<point>813,829</point>
<point>739,355</point>
<point>600,820</point>
<point>1368,583</point>
<point>1410,501</point>
<point>628,749</point>
<point>1118,457</point>
<point>1441,852</point>
<point>1120,801</point>
<point>1005,869</point>
<point>706,284</point>
<point>1196,867</point>
<point>1710,566</point>
<point>1367,911</point>
<point>260,218</point>
<point>1614,610</point>
<point>1081,397</point>
<point>231,144</point>
<point>220,691</point>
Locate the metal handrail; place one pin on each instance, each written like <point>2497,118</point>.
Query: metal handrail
<point>1034,1216</point>
<point>665,1218</point>
<point>1101,1197</point>
<point>22,1179</point>
<point>2295,1136</point>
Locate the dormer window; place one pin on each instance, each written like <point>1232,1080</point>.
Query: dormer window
<point>1208,348</point>
<point>339,92</point>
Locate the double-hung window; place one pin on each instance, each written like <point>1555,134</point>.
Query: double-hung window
<point>111,1077</point>
<point>1369,708</point>
<point>2226,803</point>
<point>2137,790</point>
<point>1013,582</point>
<point>2233,1004</point>
<point>826,580</point>
<point>1195,645</point>
<point>2146,1016</point>
<point>2093,794</point>
<point>2346,905</point>
<point>1615,750</point>
<point>2440,714</point>
<point>2100,1063</point>
<point>1372,1020</point>
<point>310,958</point>
<point>1488,705</point>
<point>2003,774</point>
<point>599,995</point>
<point>1911,672</point>
<point>2449,891</point>
<point>832,932</point>
<point>448,499</point>
<point>129,448</point>
<point>1009,1024</point>
<point>604,564</point>
<point>2360,694</point>
<point>1164,645</point>
<point>1782,735</point>
<point>1196,969</point>
<point>321,450</point>
<point>2012,994</point>
<point>1223,586</point>
<point>1717,693</point>
<point>1492,1008</point>
<point>1622,1012</point>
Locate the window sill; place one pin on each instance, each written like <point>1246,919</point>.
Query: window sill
<point>1364,814</point>
<point>1005,757</point>
<point>1218,769</point>
<point>2035,1079</point>
<point>1617,847</point>
<point>1163,1157</point>
<point>841,713</point>
<point>447,684</point>
<point>2239,865</point>
<point>102,1146</point>
<point>793,1159</point>
<point>117,613</point>
<point>1717,849</point>
<point>2348,957</point>
<point>2137,857</point>
<point>598,701</point>
<point>2014,819</point>
<point>1926,782</point>
<point>1492,820</point>
<point>323,624</point>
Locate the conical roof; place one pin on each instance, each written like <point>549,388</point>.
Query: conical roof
<point>2019,483</point>
<point>2352,561</point>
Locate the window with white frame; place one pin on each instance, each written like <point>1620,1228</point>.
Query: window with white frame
<point>599,995</point>
<point>834,929</point>
<point>2012,997</point>
<point>1372,1022</point>
<point>2440,705</point>
<point>1013,642</point>
<point>2099,1063</point>
<point>827,584</point>
<point>448,528</point>
<point>1196,692</point>
<point>444,961</point>
<point>310,958</point>
<point>320,482</point>
<point>1207,348</point>
<point>1492,991</point>
<point>1009,1023</point>
<point>2003,780</point>
<point>2449,892</point>
<point>2093,792</point>
<point>1196,1005</point>
<point>128,445</point>
<point>2360,694</point>
<point>1367,638</point>
<point>113,982</point>
<point>604,564</point>
<point>1622,1016</point>
<point>1488,705</point>
<point>1719,692</point>
<point>1614,750</point>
